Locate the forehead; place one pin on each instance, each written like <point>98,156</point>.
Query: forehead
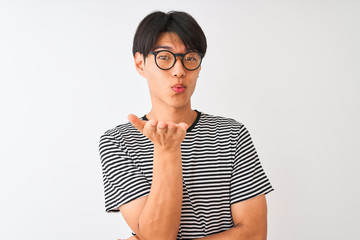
<point>170,41</point>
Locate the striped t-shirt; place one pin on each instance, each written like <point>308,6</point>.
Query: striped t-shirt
<point>219,163</point>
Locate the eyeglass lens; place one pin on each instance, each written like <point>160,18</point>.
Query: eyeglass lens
<point>166,60</point>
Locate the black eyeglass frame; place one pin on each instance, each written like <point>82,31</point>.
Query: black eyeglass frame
<point>175,56</point>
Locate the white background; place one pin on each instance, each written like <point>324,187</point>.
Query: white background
<point>288,70</point>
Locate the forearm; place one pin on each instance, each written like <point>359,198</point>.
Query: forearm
<point>238,232</point>
<point>160,217</point>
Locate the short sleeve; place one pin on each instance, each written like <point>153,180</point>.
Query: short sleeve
<point>123,180</point>
<point>248,178</point>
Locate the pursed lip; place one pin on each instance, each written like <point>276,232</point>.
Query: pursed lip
<point>178,85</point>
<point>178,88</point>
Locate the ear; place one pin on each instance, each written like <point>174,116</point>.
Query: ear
<point>139,63</point>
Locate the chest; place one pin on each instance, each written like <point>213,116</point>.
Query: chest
<point>206,162</point>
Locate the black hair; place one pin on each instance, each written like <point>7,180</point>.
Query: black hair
<point>181,23</point>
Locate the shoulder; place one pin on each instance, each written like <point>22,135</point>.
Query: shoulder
<point>120,133</point>
<point>220,121</point>
<point>119,129</point>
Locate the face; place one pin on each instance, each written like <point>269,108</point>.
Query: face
<point>168,88</point>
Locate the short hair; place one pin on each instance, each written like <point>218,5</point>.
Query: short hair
<point>181,23</point>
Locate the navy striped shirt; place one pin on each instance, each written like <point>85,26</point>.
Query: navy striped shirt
<point>220,167</point>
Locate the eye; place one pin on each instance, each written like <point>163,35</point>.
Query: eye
<point>190,58</point>
<point>163,57</point>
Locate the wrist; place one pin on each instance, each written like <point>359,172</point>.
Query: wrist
<point>167,162</point>
<point>166,150</point>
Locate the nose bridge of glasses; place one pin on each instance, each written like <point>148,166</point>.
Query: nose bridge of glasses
<point>179,55</point>
<point>176,55</point>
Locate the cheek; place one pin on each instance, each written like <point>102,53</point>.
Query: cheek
<point>156,81</point>
<point>157,77</point>
<point>152,74</point>
<point>194,77</point>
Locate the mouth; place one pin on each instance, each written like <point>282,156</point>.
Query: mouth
<point>178,88</point>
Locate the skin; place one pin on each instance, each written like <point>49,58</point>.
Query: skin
<point>157,216</point>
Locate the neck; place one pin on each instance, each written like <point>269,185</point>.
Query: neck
<point>170,114</point>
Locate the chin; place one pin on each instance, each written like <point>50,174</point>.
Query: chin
<point>179,104</point>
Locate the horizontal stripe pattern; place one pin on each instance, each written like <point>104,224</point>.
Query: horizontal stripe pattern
<point>220,167</point>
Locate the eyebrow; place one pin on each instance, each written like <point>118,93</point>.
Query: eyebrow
<point>163,46</point>
<point>168,48</point>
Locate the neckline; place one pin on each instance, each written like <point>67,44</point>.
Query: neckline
<point>192,125</point>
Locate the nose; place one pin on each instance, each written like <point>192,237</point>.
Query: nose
<point>178,69</point>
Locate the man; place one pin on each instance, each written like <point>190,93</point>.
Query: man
<point>177,173</point>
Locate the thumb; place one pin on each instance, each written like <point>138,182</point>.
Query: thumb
<point>136,122</point>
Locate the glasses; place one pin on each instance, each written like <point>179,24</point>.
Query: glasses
<point>165,59</point>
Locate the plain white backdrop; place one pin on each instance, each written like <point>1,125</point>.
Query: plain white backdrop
<point>288,70</point>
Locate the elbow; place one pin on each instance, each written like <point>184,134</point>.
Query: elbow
<point>251,233</point>
<point>155,236</point>
<point>151,232</point>
<point>259,236</point>
<point>156,228</point>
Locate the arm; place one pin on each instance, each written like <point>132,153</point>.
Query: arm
<point>157,216</point>
<point>250,221</point>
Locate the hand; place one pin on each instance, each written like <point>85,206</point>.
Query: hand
<point>165,135</point>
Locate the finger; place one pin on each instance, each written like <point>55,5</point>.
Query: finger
<point>161,127</point>
<point>153,122</point>
<point>150,127</point>
<point>171,127</point>
<point>183,126</point>
<point>136,122</point>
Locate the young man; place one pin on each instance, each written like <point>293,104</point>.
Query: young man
<point>177,173</point>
